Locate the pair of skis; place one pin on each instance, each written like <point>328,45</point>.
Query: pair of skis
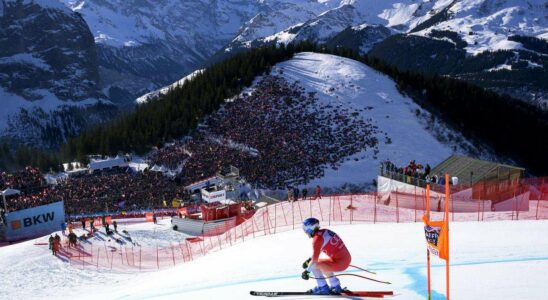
<point>368,294</point>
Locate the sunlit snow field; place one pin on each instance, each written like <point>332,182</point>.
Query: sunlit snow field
<point>490,260</point>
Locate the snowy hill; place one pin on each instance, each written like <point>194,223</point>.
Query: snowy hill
<point>404,129</point>
<point>491,260</point>
<point>349,117</point>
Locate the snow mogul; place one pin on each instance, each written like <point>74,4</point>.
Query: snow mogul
<point>328,242</point>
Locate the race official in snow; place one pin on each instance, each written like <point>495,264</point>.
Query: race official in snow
<point>328,242</point>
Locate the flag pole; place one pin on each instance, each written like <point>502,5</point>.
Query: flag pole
<point>427,249</point>
<point>447,226</point>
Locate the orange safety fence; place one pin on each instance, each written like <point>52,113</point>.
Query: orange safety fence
<point>529,202</point>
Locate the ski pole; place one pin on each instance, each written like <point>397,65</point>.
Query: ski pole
<point>361,269</point>
<point>355,275</point>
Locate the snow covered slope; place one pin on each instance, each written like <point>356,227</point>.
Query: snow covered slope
<point>490,260</point>
<point>155,94</point>
<point>486,24</point>
<point>404,131</point>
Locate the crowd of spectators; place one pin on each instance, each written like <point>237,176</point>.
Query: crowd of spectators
<point>278,135</point>
<point>27,180</point>
<point>111,190</point>
<point>411,173</point>
<point>412,169</point>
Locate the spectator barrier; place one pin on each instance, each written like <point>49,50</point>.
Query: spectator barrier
<point>285,216</point>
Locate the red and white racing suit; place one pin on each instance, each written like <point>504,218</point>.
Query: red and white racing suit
<point>328,242</point>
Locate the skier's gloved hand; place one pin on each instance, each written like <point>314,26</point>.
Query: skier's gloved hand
<point>306,263</point>
<point>305,275</point>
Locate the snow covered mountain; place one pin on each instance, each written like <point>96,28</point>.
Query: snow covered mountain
<point>498,44</point>
<point>144,45</point>
<point>47,68</point>
<point>118,50</point>
<point>475,31</point>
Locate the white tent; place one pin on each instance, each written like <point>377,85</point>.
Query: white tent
<point>99,164</point>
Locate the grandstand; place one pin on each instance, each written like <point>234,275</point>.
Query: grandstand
<point>496,185</point>
<point>471,171</point>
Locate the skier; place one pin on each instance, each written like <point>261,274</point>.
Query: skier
<point>328,242</point>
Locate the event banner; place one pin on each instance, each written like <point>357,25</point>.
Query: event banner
<point>436,239</point>
<point>214,196</point>
<point>35,222</point>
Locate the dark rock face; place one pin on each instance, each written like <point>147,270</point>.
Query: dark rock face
<point>46,47</point>
<point>360,39</point>
<point>47,54</point>
<point>520,73</point>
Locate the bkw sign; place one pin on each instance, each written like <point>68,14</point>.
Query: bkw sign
<point>35,222</point>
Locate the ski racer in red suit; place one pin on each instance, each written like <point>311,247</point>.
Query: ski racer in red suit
<point>328,242</point>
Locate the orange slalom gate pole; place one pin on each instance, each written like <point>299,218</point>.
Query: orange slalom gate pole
<point>428,272</point>
<point>428,250</point>
<point>447,224</point>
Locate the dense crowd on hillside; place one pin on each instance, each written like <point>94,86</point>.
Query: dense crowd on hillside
<point>112,190</point>
<point>277,135</point>
<point>24,180</point>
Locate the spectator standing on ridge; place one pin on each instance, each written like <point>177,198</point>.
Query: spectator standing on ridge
<point>115,224</point>
<point>296,193</point>
<point>51,243</point>
<point>318,193</point>
<point>56,244</point>
<point>154,219</point>
<point>289,194</point>
<point>83,220</point>
<point>305,193</point>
